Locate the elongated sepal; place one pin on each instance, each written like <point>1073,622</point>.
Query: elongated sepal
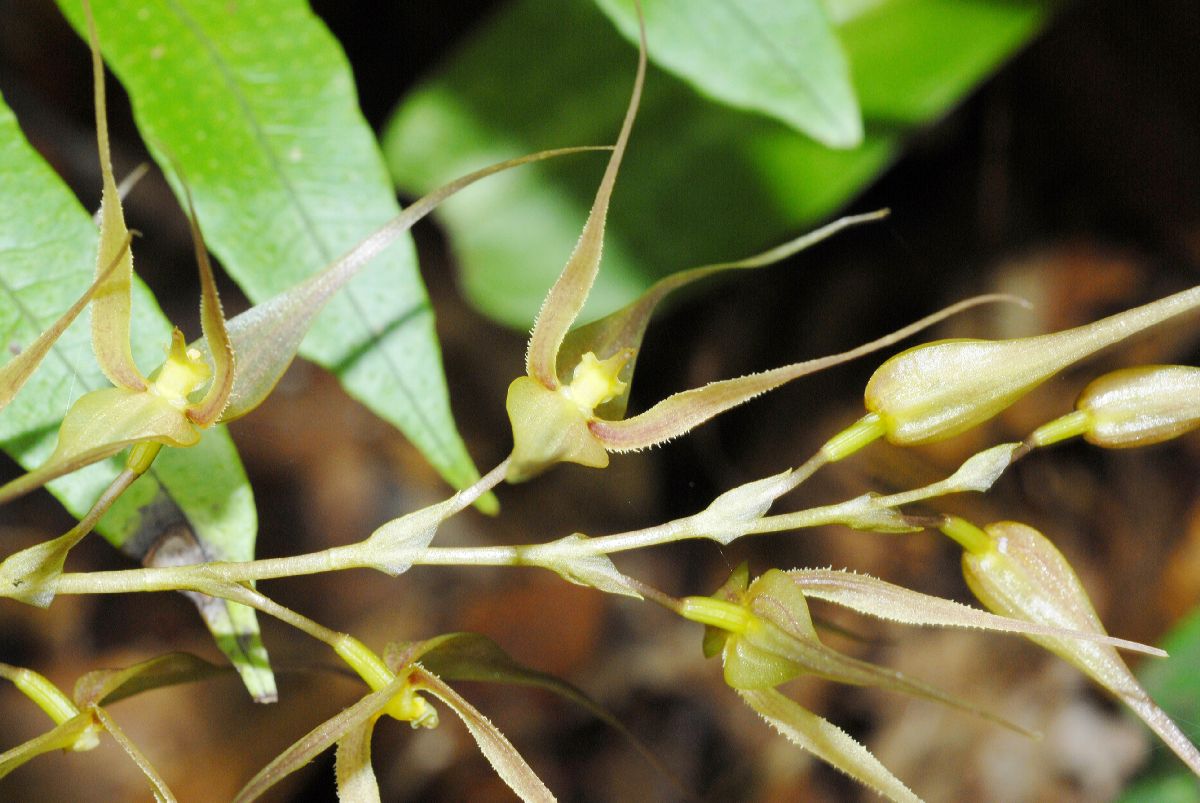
<point>566,298</point>
<point>624,329</point>
<point>112,302</point>
<point>941,389</point>
<point>775,641</point>
<point>499,752</point>
<point>827,742</point>
<point>684,411</point>
<point>352,766</point>
<point>17,371</point>
<point>1017,572</point>
<point>102,423</point>
<point>77,733</point>
<point>266,337</point>
<point>1141,406</point>
<point>873,597</point>
<point>321,738</point>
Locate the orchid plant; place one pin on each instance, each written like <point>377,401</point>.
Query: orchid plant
<point>571,406</point>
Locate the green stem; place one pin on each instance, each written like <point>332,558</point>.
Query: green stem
<point>1067,426</point>
<point>866,430</point>
<point>972,539</point>
<point>38,688</point>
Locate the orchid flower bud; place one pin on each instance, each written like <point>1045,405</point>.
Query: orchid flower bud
<point>1141,406</point>
<point>938,390</point>
<point>1014,570</point>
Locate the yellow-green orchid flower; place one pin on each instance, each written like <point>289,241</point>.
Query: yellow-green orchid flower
<point>1016,571</point>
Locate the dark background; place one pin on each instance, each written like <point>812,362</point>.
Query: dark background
<point>1072,177</point>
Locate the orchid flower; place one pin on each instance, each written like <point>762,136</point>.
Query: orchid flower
<point>1016,571</point>
<point>200,385</point>
<point>765,636</point>
<point>401,682</point>
<point>571,404</point>
<point>81,718</point>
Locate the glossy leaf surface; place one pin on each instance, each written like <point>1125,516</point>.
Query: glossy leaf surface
<point>911,61</point>
<point>778,57</point>
<point>47,248</point>
<point>266,81</point>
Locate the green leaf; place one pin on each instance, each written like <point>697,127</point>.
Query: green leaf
<point>778,57</point>
<point>692,164</point>
<point>47,248</point>
<point>256,103</point>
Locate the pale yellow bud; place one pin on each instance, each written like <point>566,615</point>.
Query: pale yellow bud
<point>1140,406</point>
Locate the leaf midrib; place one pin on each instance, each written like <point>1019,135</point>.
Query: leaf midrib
<point>375,333</point>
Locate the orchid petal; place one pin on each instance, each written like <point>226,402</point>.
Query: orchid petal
<point>566,298</point>
<point>682,412</point>
<point>16,371</point>
<point>267,336</point>
<point>356,781</point>
<point>499,752</point>
<point>102,423</point>
<point>319,739</point>
<point>111,305</point>
<point>107,686</point>
<point>625,328</point>
<point>471,656</point>
<point>827,742</point>
<point>216,336</point>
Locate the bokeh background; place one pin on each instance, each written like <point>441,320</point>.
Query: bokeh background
<point>1071,177</point>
